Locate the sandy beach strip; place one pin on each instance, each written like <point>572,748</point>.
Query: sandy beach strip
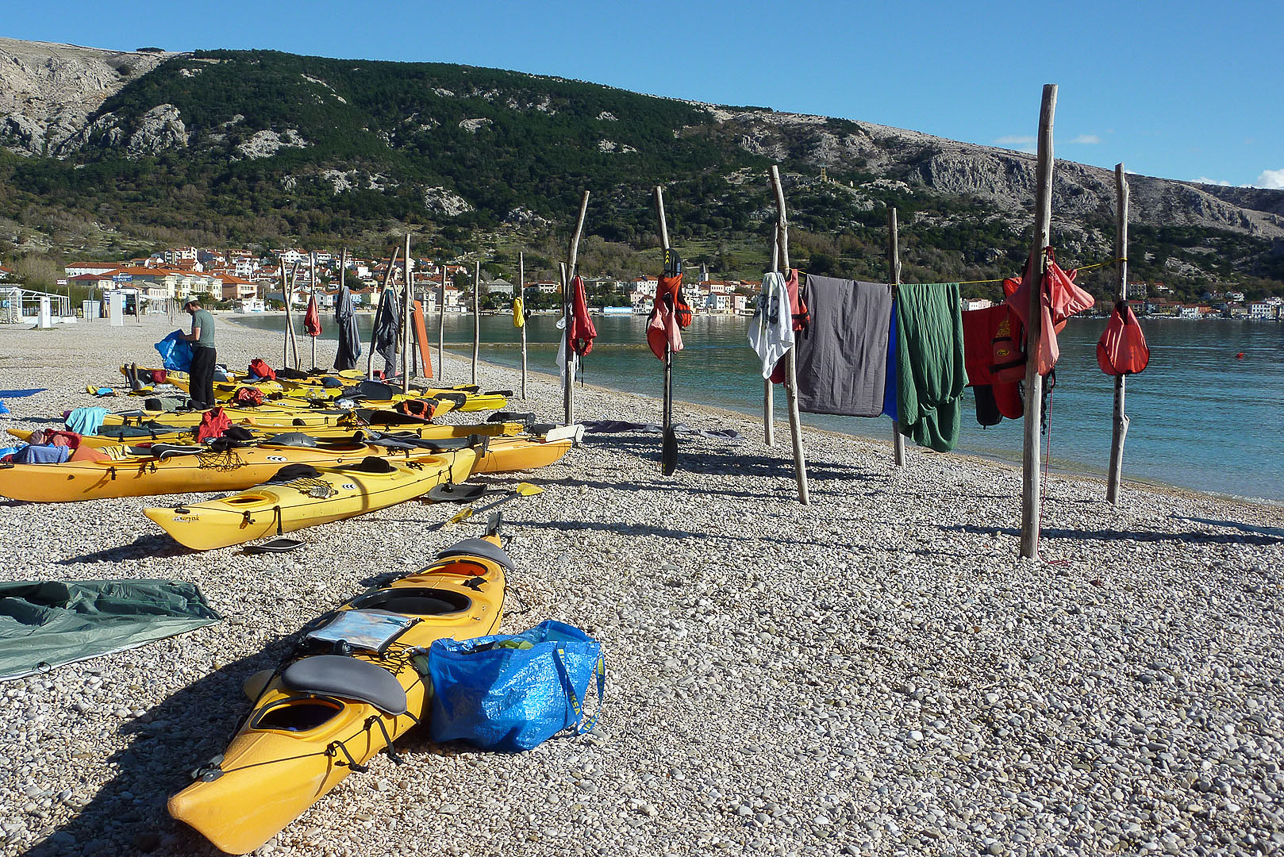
<point>877,673</point>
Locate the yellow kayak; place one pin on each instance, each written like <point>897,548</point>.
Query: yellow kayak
<point>321,715</point>
<point>303,496</point>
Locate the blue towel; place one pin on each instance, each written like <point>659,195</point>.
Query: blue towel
<point>41,455</point>
<point>176,353</point>
<point>3,409</point>
<point>86,420</point>
<point>889,392</point>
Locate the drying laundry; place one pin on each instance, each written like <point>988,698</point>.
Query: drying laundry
<point>995,362</point>
<point>771,333</point>
<point>1122,349</point>
<point>930,366</point>
<point>842,354</point>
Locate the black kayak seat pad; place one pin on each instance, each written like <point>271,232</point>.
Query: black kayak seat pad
<point>295,471</point>
<point>481,548</point>
<point>347,678</point>
<point>372,464</point>
<point>169,450</point>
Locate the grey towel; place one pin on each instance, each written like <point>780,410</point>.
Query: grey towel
<point>842,354</point>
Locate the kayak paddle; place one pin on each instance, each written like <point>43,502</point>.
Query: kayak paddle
<point>523,489</point>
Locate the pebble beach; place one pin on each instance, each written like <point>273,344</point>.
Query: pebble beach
<point>876,673</point>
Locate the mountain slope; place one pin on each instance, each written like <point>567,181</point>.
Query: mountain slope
<point>261,147</point>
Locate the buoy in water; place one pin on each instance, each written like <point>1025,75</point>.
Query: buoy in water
<point>1239,356</point>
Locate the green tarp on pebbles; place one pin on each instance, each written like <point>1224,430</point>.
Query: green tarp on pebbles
<point>44,624</point>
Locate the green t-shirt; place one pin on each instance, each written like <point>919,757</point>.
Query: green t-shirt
<point>202,319</point>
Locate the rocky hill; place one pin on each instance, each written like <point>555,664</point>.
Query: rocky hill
<point>105,148</point>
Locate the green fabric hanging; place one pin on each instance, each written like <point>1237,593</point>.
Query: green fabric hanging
<point>45,624</point>
<point>929,358</point>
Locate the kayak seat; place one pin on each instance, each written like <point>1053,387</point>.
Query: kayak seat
<point>346,678</point>
<point>413,601</point>
<point>372,464</point>
<point>293,438</point>
<point>481,548</point>
<point>169,450</point>
<point>295,471</point>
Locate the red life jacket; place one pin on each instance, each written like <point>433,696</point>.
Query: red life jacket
<point>1060,299</point>
<point>421,408</point>
<point>312,319</point>
<point>993,356</point>
<point>247,397</point>
<point>801,317</point>
<point>1122,349</point>
<point>213,424</point>
<point>580,332</point>
<point>666,321</point>
<point>258,366</point>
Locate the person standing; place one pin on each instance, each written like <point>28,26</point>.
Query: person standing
<point>201,376</point>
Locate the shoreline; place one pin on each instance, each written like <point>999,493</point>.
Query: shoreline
<point>877,673</point>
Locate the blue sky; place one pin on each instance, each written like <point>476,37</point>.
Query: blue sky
<point>1178,89</point>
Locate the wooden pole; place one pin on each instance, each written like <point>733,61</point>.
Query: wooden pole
<point>521,292</point>
<point>292,344</point>
<point>285,294</point>
<point>768,390</point>
<point>1030,458</point>
<point>374,332</point>
<point>406,305</point>
<point>1121,294</point>
<point>894,275</point>
<point>791,365</point>
<point>476,316</point>
<point>668,349</point>
<point>441,328</point>
<point>568,274</point>
<point>312,279</point>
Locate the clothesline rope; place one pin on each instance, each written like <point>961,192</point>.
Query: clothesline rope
<point>983,282</point>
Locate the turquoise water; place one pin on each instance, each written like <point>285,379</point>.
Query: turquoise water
<point>1201,418</point>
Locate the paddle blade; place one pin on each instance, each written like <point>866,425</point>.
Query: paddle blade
<point>669,452</point>
<point>462,515</point>
<point>527,489</point>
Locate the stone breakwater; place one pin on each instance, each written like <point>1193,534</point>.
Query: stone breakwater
<point>877,673</point>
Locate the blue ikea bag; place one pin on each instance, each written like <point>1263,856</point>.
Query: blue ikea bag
<point>513,692</point>
<point>175,353</point>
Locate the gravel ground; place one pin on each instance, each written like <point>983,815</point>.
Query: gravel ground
<point>877,673</point>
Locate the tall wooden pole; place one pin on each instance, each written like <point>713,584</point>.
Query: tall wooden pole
<point>1030,458</point>
<point>406,305</point>
<point>441,329</point>
<point>668,349</point>
<point>568,274</point>
<point>791,365</point>
<point>374,332</point>
<point>894,277</point>
<point>291,343</point>
<point>1121,294</point>
<point>768,391</point>
<point>521,293</point>
<point>312,280</point>
<point>285,294</point>
<point>476,316</point>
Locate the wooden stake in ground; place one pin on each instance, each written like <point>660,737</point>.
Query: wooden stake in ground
<point>1121,294</point>
<point>441,328</point>
<point>669,449</point>
<point>894,277</point>
<point>791,365</point>
<point>521,293</point>
<point>1030,458</point>
<point>312,281</point>
<point>374,332</point>
<point>568,274</point>
<point>476,316</point>
<point>291,343</point>
<point>406,305</point>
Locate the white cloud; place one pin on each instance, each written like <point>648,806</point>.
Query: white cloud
<point>1087,139</point>
<point>1206,180</point>
<point>1270,179</point>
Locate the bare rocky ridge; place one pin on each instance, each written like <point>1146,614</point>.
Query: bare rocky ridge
<point>48,91</point>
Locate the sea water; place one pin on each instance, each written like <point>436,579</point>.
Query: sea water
<point>1201,417</point>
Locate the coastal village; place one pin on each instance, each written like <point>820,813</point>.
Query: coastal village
<point>242,281</point>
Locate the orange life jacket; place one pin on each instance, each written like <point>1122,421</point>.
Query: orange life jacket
<point>258,366</point>
<point>1060,298</point>
<point>1122,349</point>
<point>421,408</point>
<point>580,331</point>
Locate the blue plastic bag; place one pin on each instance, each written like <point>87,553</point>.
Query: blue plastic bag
<point>175,353</point>
<point>496,695</point>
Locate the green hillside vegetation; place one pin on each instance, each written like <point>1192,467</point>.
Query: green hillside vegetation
<point>392,131</point>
